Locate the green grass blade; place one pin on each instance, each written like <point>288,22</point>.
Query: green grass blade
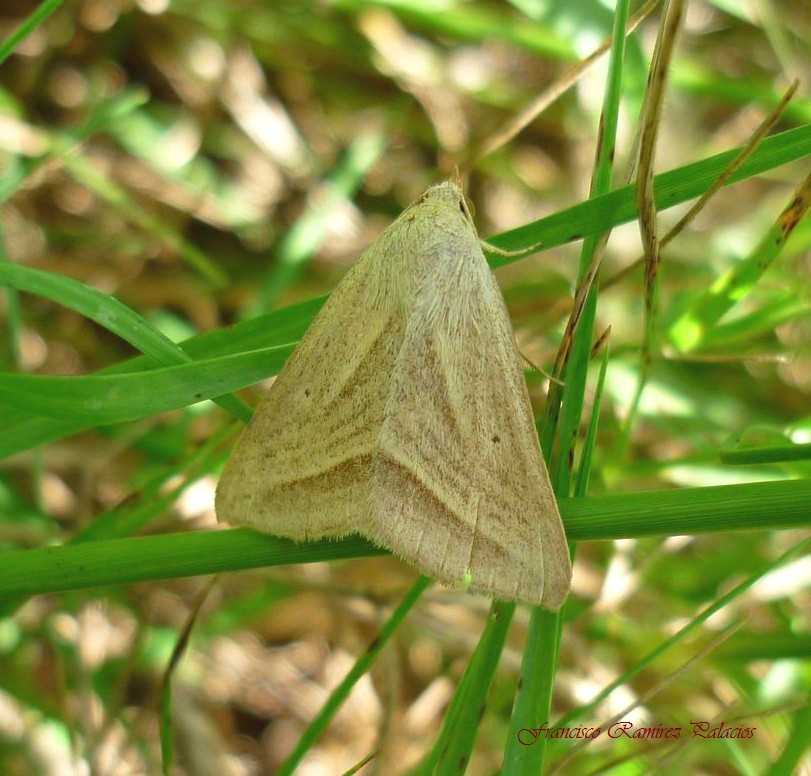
<point>362,666</point>
<point>23,30</point>
<point>307,234</point>
<point>764,505</point>
<point>451,752</point>
<point>104,399</point>
<point>278,329</point>
<point>677,638</point>
<point>61,146</point>
<point>534,696</point>
<point>798,744</point>
<point>688,332</point>
<point>108,312</point>
<point>671,188</point>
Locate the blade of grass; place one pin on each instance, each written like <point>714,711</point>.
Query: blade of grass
<point>798,743</point>
<point>534,696</point>
<point>307,234</point>
<point>670,188</point>
<point>677,638</point>
<point>671,23</point>
<point>181,645</point>
<point>754,141</point>
<point>516,124</point>
<point>646,696</point>
<point>60,146</point>
<point>764,505</point>
<point>13,311</point>
<point>362,665</point>
<point>25,28</point>
<point>452,749</point>
<point>775,454</point>
<point>23,430</point>
<point>687,333</point>
<point>86,173</point>
<point>114,316</point>
<point>104,399</point>
<point>533,699</point>
<point>155,497</point>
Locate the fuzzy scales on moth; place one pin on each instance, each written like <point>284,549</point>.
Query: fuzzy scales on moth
<point>403,416</point>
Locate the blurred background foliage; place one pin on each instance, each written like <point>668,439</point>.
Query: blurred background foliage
<point>207,161</point>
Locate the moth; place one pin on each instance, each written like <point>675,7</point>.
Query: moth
<point>403,416</point>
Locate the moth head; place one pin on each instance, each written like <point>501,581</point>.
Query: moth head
<point>450,194</point>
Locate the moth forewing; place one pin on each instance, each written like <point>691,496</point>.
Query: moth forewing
<point>404,416</point>
<point>302,466</point>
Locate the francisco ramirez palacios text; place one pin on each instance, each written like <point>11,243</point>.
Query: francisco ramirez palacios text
<point>625,729</point>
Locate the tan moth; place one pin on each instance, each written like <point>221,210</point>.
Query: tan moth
<point>403,416</point>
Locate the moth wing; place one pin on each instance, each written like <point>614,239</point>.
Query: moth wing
<point>460,488</point>
<point>302,467</point>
